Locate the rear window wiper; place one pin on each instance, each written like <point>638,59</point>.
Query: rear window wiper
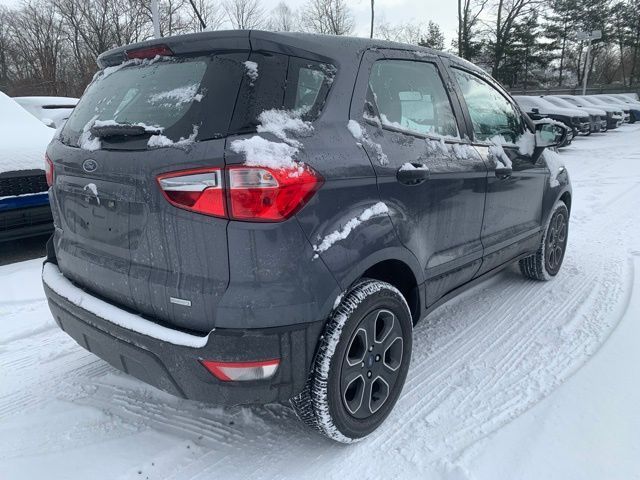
<point>125,129</point>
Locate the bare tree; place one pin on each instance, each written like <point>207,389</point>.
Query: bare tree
<point>507,14</point>
<point>412,33</point>
<point>469,12</point>
<point>212,13</point>
<point>38,39</point>
<point>283,19</point>
<point>245,14</point>
<point>4,48</point>
<point>328,16</point>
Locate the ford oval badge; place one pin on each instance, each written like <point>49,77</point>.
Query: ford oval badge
<point>89,165</point>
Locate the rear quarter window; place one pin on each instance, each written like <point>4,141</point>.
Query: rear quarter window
<point>282,82</point>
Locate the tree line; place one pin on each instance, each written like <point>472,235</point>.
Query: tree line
<point>49,47</point>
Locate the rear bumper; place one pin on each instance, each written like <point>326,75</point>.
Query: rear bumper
<point>170,359</point>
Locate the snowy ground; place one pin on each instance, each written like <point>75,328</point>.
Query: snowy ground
<point>513,380</point>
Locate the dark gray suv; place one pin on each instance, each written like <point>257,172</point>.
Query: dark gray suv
<point>250,217</point>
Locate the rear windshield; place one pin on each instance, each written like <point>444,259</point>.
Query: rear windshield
<point>198,97</point>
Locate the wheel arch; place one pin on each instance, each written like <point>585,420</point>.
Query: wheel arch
<point>566,198</point>
<point>401,276</point>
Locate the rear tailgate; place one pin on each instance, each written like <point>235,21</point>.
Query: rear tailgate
<point>116,234</point>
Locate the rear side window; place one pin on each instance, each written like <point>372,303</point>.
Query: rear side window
<point>174,94</point>
<point>275,81</point>
<point>411,96</point>
<point>491,113</point>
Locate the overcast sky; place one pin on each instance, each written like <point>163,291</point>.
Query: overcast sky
<point>443,12</point>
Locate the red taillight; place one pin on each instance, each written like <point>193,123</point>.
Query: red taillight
<point>196,190</point>
<point>241,371</point>
<point>258,194</point>
<point>150,52</point>
<point>266,194</point>
<point>48,170</point>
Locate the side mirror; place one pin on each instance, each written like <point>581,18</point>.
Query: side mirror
<point>535,110</point>
<point>550,134</point>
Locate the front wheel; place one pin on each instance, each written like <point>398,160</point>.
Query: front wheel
<point>546,262</point>
<point>361,364</point>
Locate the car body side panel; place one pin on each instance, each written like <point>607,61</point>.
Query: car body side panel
<point>439,220</point>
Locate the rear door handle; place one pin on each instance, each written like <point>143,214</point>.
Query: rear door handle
<point>413,173</point>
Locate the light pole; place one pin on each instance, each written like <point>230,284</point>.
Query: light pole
<point>372,14</point>
<point>155,16</point>
<point>589,36</point>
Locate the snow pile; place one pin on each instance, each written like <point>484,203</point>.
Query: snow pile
<point>54,279</point>
<point>376,210</point>
<point>279,122</point>
<point>91,187</point>
<point>555,164</point>
<point>526,143</point>
<point>87,141</point>
<point>178,96</point>
<point>329,72</point>
<point>252,71</point>
<point>355,129</point>
<point>363,138</point>
<point>161,141</point>
<point>23,138</point>
<point>388,123</point>
<point>260,152</point>
<point>497,153</point>
<point>410,166</point>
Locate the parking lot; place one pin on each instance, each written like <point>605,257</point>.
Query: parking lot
<point>511,366</point>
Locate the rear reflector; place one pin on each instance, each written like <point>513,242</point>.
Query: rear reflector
<point>48,170</point>
<point>241,371</point>
<point>197,190</point>
<point>150,52</point>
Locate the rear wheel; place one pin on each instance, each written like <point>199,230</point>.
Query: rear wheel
<point>361,364</point>
<point>546,262</point>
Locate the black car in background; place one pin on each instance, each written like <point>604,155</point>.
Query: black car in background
<point>538,108</point>
<point>252,217</point>
<point>615,114</point>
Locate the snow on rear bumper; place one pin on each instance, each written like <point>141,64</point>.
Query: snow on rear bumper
<point>170,360</point>
<point>56,281</point>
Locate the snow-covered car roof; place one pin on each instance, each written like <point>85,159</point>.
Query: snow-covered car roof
<point>546,107</point>
<point>23,138</point>
<point>52,111</point>
<point>62,102</point>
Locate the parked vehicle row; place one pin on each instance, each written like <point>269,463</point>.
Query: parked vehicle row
<point>583,115</point>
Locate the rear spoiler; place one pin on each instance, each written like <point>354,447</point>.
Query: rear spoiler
<point>206,42</point>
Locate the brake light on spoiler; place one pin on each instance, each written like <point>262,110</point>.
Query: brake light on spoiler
<point>149,52</point>
<point>258,194</point>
